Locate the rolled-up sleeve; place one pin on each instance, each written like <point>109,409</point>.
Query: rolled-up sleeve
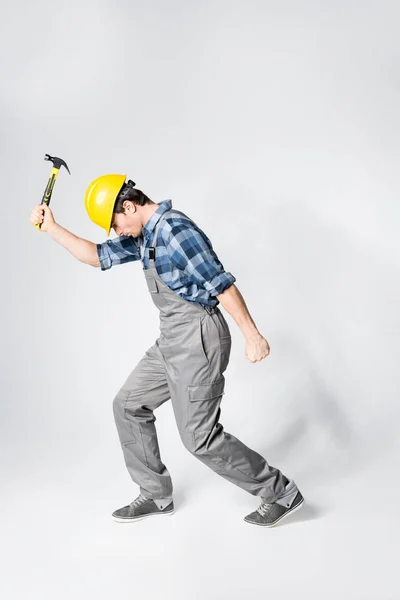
<point>118,251</point>
<point>191,251</point>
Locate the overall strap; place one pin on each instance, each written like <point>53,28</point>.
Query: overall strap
<point>152,249</point>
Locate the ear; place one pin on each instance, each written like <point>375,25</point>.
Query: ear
<point>129,206</point>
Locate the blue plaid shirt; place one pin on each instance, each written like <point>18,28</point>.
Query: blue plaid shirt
<point>185,259</point>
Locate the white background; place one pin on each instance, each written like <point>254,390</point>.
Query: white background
<point>275,127</point>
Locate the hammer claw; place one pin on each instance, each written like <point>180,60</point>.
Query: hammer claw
<point>57,162</point>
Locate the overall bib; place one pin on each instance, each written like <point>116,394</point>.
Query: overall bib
<point>186,364</point>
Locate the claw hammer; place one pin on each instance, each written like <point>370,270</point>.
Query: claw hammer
<point>57,164</point>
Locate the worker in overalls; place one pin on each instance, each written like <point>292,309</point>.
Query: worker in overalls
<point>186,364</point>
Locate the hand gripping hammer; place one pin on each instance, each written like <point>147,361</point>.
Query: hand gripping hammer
<point>57,164</point>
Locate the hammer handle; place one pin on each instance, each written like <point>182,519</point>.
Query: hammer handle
<point>48,191</point>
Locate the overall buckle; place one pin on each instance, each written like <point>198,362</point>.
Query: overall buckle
<point>209,309</point>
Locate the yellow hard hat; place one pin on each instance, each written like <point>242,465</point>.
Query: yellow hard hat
<point>100,199</point>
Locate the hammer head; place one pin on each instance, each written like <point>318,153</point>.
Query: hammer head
<point>57,162</point>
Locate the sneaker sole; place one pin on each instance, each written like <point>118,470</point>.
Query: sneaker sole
<point>286,514</point>
<point>127,520</point>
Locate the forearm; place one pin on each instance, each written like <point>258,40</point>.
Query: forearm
<point>83,250</point>
<point>233,301</point>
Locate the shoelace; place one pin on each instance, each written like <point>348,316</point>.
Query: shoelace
<point>264,508</point>
<point>139,500</point>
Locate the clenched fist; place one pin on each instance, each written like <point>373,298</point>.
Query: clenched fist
<point>257,348</point>
<point>42,214</point>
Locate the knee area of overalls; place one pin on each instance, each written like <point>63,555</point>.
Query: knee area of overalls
<point>120,401</point>
<point>195,442</point>
<point>128,402</point>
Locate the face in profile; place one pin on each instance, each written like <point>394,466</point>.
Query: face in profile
<point>127,223</point>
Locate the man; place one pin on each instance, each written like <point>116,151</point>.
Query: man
<point>186,364</point>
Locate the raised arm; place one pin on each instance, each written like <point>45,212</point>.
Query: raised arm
<point>81,249</point>
<point>117,251</point>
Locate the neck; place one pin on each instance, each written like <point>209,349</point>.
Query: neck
<point>147,211</point>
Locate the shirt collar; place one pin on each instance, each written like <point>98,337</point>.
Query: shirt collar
<point>155,217</point>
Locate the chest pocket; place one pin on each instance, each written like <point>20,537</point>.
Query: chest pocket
<point>152,285</point>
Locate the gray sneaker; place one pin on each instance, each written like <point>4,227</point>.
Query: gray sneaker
<point>139,509</point>
<point>268,515</point>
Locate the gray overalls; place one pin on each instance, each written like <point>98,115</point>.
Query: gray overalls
<point>186,364</point>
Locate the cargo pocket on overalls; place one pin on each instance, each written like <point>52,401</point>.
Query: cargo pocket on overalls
<point>203,341</point>
<point>203,408</point>
<point>225,343</point>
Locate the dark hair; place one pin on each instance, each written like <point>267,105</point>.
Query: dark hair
<point>128,192</point>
